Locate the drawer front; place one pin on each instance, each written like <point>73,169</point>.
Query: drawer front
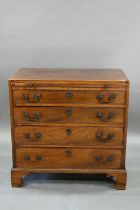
<point>35,97</point>
<point>61,115</point>
<point>68,158</point>
<point>73,135</point>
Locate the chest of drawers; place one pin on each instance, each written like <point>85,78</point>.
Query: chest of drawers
<point>69,121</point>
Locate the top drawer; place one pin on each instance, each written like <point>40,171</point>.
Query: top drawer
<point>38,97</point>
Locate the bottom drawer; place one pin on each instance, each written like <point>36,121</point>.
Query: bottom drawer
<point>68,158</point>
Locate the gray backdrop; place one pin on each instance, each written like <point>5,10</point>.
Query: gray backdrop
<point>70,33</point>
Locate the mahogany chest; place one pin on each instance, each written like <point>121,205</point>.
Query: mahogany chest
<point>69,121</point>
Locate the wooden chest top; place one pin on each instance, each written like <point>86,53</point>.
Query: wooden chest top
<point>90,76</point>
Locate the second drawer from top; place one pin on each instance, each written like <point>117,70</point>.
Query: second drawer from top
<point>68,115</point>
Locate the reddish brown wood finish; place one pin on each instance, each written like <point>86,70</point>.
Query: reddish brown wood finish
<point>58,115</point>
<point>64,138</point>
<point>78,96</point>
<point>61,158</point>
<point>68,135</point>
<point>84,76</point>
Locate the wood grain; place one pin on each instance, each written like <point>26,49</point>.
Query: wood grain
<point>63,136</point>
<point>66,75</point>
<point>60,96</point>
<point>79,115</point>
<point>58,158</point>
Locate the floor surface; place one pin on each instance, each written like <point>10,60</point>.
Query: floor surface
<point>44,192</point>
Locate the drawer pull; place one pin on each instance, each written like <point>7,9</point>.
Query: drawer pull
<point>110,99</point>
<point>37,136</point>
<point>98,158</point>
<point>108,118</point>
<point>69,94</point>
<point>38,157</point>
<point>68,112</point>
<point>109,158</point>
<point>36,98</point>
<point>99,137</point>
<point>35,117</point>
<point>69,152</point>
<point>68,131</point>
<point>27,157</point>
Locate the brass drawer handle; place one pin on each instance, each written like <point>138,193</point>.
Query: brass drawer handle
<point>68,112</point>
<point>38,157</point>
<point>68,131</point>
<point>110,99</point>
<point>36,98</point>
<point>100,116</point>
<point>98,158</point>
<point>37,136</point>
<point>99,137</point>
<point>27,157</point>
<point>35,117</point>
<point>69,152</point>
<point>109,158</point>
<point>69,94</point>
